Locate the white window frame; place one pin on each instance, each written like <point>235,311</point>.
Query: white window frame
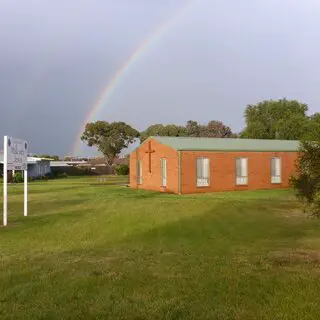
<point>139,171</point>
<point>242,179</point>
<point>276,172</point>
<point>163,172</point>
<point>203,179</point>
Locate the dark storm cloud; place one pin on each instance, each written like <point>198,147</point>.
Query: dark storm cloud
<point>57,56</point>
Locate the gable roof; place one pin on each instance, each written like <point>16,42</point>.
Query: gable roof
<point>227,144</point>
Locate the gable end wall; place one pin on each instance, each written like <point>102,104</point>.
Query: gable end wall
<point>152,181</point>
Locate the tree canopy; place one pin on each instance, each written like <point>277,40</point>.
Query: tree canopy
<point>276,119</point>
<point>269,119</point>
<point>47,156</point>
<point>170,130</point>
<point>109,138</point>
<point>214,129</point>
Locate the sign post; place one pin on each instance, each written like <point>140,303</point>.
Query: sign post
<point>5,181</point>
<point>15,158</point>
<point>25,206</point>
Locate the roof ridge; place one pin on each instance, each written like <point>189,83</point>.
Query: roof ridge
<point>244,139</point>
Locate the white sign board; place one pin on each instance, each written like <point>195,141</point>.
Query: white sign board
<point>15,158</point>
<point>17,154</point>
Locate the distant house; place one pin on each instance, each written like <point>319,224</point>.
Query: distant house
<point>37,167</point>
<point>195,165</point>
<point>91,166</point>
<point>79,167</point>
<point>66,164</point>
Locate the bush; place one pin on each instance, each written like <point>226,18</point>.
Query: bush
<point>18,177</point>
<point>60,175</point>
<point>122,170</point>
<point>49,175</point>
<point>307,181</point>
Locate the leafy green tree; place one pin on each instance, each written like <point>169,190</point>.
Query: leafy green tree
<point>316,118</point>
<point>193,128</point>
<point>307,180</point>
<point>312,132</point>
<point>170,130</point>
<point>154,130</point>
<point>215,129</point>
<point>109,138</point>
<point>293,128</point>
<point>281,119</point>
<point>47,156</point>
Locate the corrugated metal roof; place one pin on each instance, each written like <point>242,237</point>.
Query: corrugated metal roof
<point>226,144</point>
<point>31,160</point>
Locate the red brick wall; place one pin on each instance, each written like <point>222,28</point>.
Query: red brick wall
<point>152,181</point>
<point>223,170</point>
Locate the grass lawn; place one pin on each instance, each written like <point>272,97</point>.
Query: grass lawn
<point>90,251</point>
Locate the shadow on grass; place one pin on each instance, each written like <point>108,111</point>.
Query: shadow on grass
<point>36,215</point>
<point>217,231</point>
<point>57,189</point>
<point>205,266</point>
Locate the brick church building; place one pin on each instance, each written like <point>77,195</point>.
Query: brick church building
<point>185,165</point>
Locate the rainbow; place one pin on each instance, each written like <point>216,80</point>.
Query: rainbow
<point>109,89</point>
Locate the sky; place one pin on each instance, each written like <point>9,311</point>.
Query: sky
<point>211,60</point>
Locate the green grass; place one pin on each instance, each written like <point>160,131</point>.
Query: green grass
<point>88,251</point>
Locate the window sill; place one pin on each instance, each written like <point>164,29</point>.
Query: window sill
<point>243,181</point>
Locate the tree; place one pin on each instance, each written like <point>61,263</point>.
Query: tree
<point>215,129</point>
<point>281,119</point>
<point>312,132</point>
<point>170,130</point>
<point>192,129</point>
<point>307,181</point>
<point>109,138</point>
<point>293,128</point>
<point>154,130</point>
<point>47,156</point>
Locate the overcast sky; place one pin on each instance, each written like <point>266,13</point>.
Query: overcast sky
<point>56,57</point>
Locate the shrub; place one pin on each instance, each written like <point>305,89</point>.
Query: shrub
<point>18,177</point>
<point>60,175</point>
<point>49,175</point>
<point>307,181</point>
<point>122,170</point>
